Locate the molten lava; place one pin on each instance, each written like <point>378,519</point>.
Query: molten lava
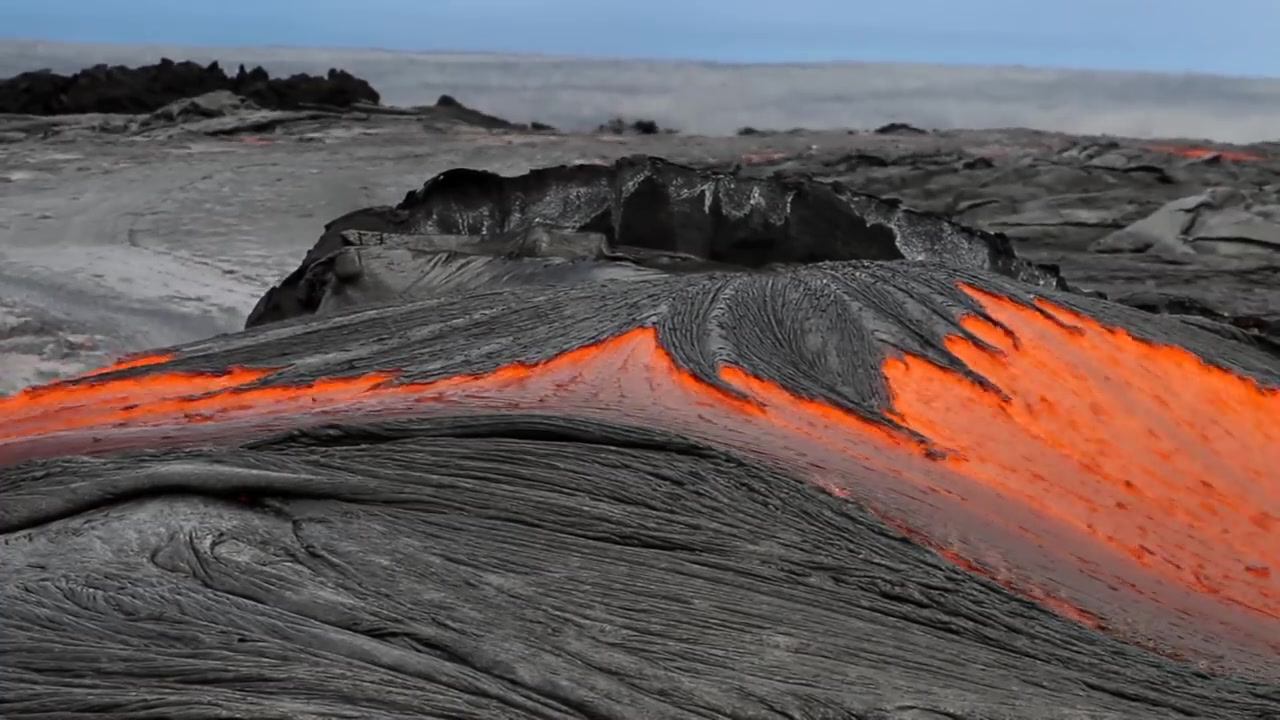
<point>1199,152</point>
<point>1172,462</point>
<point>1126,484</point>
<point>132,361</point>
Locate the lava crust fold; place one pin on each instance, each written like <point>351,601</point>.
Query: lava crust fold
<point>875,488</point>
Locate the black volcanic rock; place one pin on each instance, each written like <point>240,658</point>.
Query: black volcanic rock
<point>900,128</point>
<point>448,106</point>
<point>644,210</point>
<point>145,89</point>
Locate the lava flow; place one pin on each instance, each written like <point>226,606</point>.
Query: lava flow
<point>1199,152</point>
<point>1124,483</point>
<point>1172,462</point>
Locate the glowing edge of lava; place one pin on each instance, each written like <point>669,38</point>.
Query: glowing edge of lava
<point>1084,444</point>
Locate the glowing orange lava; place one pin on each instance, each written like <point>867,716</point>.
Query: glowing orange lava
<point>1127,485</point>
<point>1172,462</point>
<point>131,361</point>
<point>1199,152</point>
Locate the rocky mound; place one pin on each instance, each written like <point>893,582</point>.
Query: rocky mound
<point>448,107</point>
<point>148,88</point>
<point>644,211</point>
<point>645,214</point>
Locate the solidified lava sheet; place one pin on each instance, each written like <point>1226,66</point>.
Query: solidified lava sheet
<point>848,489</point>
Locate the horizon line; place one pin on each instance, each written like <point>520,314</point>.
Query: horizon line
<point>641,59</point>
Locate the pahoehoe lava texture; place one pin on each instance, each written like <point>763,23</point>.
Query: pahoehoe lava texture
<point>646,210</point>
<point>683,495</point>
<point>119,89</point>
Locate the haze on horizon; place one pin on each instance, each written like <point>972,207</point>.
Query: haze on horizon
<point>574,63</point>
<point>1232,37</point>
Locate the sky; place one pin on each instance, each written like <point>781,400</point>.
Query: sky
<point>1235,37</point>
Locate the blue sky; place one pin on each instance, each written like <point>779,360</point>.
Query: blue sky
<point>1226,36</point>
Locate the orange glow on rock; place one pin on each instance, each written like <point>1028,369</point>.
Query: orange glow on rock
<point>1125,484</point>
<point>1173,463</point>
<point>1199,152</point>
<point>131,361</point>
<point>1154,470</point>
